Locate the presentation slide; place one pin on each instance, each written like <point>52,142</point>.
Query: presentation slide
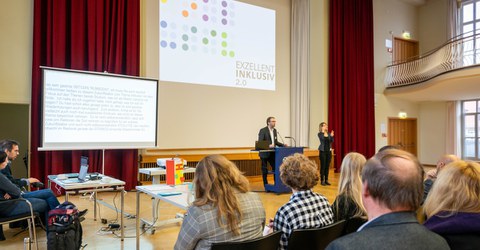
<point>217,42</point>
<point>87,110</point>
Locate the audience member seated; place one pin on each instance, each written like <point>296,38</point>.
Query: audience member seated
<point>453,205</point>
<point>391,193</point>
<point>305,209</point>
<point>11,148</point>
<point>223,209</point>
<point>387,147</point>
<point>432,174</point>
<point>9,191</point>
<point>349,203</point>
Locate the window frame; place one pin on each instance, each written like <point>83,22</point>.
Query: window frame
<point>476,138</point>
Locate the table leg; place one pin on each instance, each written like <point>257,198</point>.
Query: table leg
<point>95,206</point>
<point>137,221</point>
<point>121,214</point>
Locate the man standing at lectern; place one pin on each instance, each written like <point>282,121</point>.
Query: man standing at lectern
<point>269,133</point>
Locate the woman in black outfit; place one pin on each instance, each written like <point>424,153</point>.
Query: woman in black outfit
<point>325,148</point>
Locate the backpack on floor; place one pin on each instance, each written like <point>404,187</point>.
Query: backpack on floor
<point>64,228</point>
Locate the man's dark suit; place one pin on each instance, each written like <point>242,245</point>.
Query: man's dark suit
<point>264,135</point>
<point>398,230</point>
<point>7,171</point>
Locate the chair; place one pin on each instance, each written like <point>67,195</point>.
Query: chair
<point>315,238</point>
<point>269,242</point>
<point>30,217</point>
<point>353,224</point>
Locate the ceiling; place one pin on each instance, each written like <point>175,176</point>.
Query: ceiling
<point>461,84</point>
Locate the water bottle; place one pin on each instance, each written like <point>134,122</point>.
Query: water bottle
<point>26,243</point>
<point>191,193</point>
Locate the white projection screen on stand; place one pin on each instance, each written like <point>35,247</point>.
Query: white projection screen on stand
<point>217,42</point>
<point>90,110</point>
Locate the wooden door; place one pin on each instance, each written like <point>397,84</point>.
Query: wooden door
<point>402,133</point>
<point>404,49</point>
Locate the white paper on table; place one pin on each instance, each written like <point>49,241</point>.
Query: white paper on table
<point>158,187</point>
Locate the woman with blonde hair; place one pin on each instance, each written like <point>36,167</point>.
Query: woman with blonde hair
<point>349,203</point>
<point>223,209</point>
<point>453,205</point>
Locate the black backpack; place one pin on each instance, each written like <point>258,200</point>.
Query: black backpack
<point>64,228</point>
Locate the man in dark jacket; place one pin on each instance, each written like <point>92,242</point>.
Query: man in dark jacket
<point>269,134</point>
<point>392,191</point>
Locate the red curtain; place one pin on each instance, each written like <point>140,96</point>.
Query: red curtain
<point>351,82</point>
<point>100,35</point>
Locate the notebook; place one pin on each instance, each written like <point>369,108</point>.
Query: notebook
<point>262,145</point>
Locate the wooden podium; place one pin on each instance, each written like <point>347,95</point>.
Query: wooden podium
<point>280,153</point>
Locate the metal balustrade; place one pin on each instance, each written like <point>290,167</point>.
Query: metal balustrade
<point>460,52</point>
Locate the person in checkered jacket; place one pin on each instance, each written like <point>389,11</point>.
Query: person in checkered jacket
<point>305,209</point>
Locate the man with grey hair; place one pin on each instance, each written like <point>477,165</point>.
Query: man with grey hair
<point>432,174</point>
<point>392,191</point>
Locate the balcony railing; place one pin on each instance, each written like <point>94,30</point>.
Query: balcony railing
<point>460,52</point>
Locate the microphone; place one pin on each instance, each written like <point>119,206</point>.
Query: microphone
<point>280,137</point>
<point>290,137</point>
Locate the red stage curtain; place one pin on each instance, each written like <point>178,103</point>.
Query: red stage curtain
<point>351,111</point>
<point>101,35</point>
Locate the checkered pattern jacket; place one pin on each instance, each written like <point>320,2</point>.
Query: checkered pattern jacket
<point>305,209</point>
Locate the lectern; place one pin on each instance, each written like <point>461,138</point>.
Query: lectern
<point>280,154</point>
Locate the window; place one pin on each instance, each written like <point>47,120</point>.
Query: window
<point>470,26</point>
<point>471,129</point>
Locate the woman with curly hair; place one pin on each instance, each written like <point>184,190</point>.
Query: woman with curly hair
<point>223,209</point>
<point>305,209</point>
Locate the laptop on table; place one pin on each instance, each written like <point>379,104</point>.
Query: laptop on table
<point>83,162</point>
<point>262,145</point>
<point>82,175</point>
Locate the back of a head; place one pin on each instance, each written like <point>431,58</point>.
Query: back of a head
<point>3,156</point>
<point>215,174</point>
<point>299,172</point>
<point>216,181</point>
<point>457,189</point>
<point>447,159</point>
<point>387,147</point>
<point>350,183</point>
<point>350,170</point>
<point>395,179</point>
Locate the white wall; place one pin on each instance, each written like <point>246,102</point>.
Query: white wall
<point>390,17</point>
<point>427,24</point>
<point>432,119</point>
<point>432,25</point>
<point>16,31</point>
<point>196,116</point>
<point>191,114</point>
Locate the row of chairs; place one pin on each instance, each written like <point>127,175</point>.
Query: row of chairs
<point>29,216</point>
<point>313,238</point>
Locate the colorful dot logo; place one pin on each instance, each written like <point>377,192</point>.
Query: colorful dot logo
<point>163,24</point>
<point>203,28</point>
